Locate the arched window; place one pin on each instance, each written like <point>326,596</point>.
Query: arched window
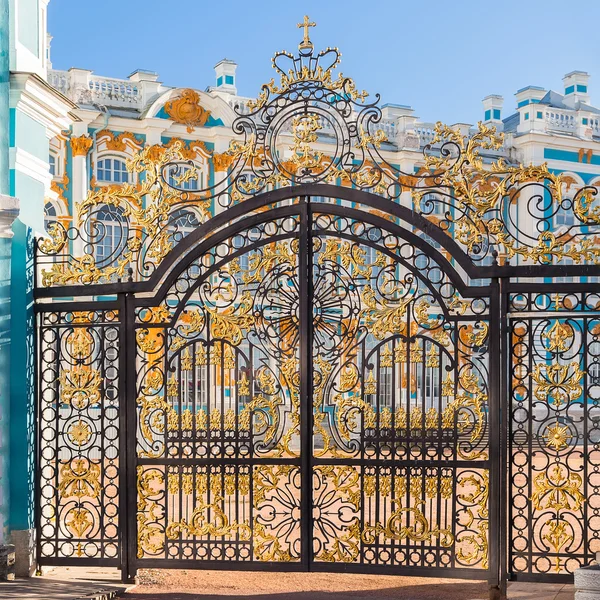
<point>50,215</point>
<point>110,235</point>
<point>177,172</point>
<point>112,170</point>
<point>52,164</point>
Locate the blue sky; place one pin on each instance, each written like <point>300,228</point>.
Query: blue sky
<point>440,57</point>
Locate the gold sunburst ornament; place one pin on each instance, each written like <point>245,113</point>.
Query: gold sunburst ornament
<point>557,436</point>
<point>80,433</point>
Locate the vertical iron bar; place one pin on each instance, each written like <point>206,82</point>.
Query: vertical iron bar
<point>495,500</point>
<point>504,495</point>
<point>37,505</point>
<point>123,441</point>
<point>305,286</point>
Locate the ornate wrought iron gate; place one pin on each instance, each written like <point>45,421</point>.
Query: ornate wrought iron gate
<point>323,362</point>
<point>311,388</point>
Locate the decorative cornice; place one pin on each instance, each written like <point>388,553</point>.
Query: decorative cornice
<point>9,211</point>
<point>187,110</point>
<point>81,145</point>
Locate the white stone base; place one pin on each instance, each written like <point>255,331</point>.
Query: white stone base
<point>24,543</point>
<point>587,583</point>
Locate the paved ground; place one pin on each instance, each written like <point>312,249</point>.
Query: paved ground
<point>72,584</point>
<point>210,585</point>
<point>63,583</point>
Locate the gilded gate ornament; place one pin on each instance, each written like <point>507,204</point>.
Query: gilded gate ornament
<point>201,524</point>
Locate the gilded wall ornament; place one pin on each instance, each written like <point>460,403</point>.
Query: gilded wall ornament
<point>186,110</point>
<point>119,141</point>
<point>81,145</point>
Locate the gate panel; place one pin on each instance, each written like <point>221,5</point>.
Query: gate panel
<point>400,393</point>
<point>80,461</point>
<point>554,443</point>
<point>218,471</point>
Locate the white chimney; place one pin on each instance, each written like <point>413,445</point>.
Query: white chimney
<point>225,74</point>
<point>576,87</point>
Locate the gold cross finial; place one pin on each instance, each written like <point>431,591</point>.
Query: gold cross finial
<point>306,43</point>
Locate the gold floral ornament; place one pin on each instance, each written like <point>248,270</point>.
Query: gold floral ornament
<point>187,110</point>
<point>557,383</point>
<point>81,145</point>
<point>145,209</point>
<point>480,195</point>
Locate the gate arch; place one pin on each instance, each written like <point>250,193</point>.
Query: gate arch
<point>311,355</point>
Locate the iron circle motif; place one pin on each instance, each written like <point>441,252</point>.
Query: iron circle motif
<point>303,123</point>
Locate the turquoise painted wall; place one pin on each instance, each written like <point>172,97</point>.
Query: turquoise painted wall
<point>22,426</point>
<point>4,273</point>
<point>32,135</point>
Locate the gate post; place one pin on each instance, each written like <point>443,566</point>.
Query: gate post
<point>497,441</point>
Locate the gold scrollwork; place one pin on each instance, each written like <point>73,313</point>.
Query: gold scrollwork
<point>80,477</point>
<point>201,523</point>
<point>559,491</point>
<point>150,535</point>
<point>558,383</point>
<point>395,529</point>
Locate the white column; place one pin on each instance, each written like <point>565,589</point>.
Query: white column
<point>80,147</point>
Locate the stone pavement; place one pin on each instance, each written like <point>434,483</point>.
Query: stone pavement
<point>62,583</point>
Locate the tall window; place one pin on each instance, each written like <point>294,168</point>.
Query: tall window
<point>374,235</point>
<point>110,235</point>
<point>112,170</point>
<point>52,164</point>
<point>385,388</point>
<point>177,172</point>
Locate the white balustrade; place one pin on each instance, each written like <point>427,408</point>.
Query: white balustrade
<point>84,87</point>
<point>560,121</point>
<point>115,92</point>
